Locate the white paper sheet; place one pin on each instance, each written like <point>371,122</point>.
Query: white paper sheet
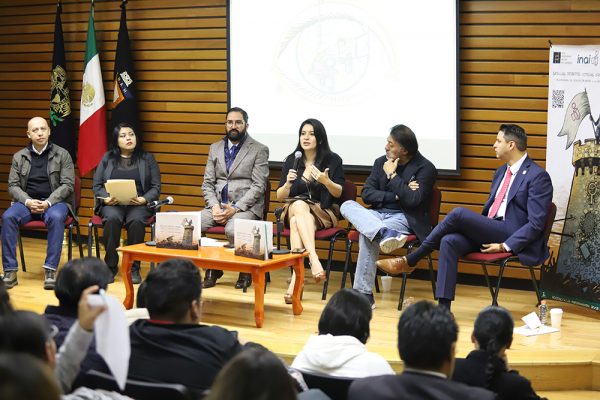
<point>211,242</point>
<point>541,330</point>
<point>112,336</point>
<point>532,320</point>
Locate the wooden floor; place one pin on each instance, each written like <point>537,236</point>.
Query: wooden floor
<point>566,361</point>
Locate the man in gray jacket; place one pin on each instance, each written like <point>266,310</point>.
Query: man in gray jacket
<point>40,184</point>
<point>234,183</point>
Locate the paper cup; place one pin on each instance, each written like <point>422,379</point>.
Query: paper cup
<point>556,317</point>
<point>386,283</point>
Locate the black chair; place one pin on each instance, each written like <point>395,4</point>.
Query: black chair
<point>333,386</point>
<point>137,389</point>
<point>502,259</point>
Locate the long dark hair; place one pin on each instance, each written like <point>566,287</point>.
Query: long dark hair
<point>493,330</point>
<point>114,152</point>
<point>347,313</point>
<point>323,151</point>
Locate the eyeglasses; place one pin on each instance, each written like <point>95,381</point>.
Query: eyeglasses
<point>239,124</point>
<point>53,332</point>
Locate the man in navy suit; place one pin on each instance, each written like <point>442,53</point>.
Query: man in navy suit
<point>513,218</point>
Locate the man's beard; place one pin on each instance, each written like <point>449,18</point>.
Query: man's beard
<point>235,136</point>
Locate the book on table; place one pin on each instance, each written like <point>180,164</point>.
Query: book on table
<point>253,239</point>
<point>178,230</point>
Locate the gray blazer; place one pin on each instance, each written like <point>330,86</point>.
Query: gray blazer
<point>247,176</point>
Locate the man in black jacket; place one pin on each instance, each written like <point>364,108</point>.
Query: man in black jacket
<point>427,336</point>
<point>399,192</point>
<point>41,184</point>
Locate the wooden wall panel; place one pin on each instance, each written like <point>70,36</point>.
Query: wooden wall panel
<point>180,50</point>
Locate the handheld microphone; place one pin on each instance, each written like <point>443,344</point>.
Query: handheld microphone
<point>158,203</point>
<point>278,212</point>
<point>298,156</point>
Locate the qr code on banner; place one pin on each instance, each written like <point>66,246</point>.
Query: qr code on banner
<point>558,99</point>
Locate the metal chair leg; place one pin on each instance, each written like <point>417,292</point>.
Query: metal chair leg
<point>70,243</point>
<point>487,279</point>
<point>535,286</point>
<point>79,241</point>
<point>404,278</point>
<point>90,233</point>
<point>328,269</point>
<point>21,251</point>
<point>97,242</point>
<point>495,301</point>
<point>346,262</point>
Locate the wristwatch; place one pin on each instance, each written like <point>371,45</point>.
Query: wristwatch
<point>237,209</point>
<point>391,174</point>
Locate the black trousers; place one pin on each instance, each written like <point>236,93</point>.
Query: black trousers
<point>135,218</point>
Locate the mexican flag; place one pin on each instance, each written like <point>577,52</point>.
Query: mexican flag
<point>92,118</point>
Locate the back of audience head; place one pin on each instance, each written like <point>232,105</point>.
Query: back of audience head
<point>76,276</point>
<point>27,332</point>
<point>493,333</point>
<point>173,292</point>
<point>253,374</point>
<point>427,335</point>
<point>348,312</point>
<point>140,301</point>
<point>5,305</point>
<point>23,377</point>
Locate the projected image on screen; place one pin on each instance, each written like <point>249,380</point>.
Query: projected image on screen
<point>359,67</point>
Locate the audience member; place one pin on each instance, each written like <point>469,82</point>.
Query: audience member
<point>427,337</point>
<point>399,192</point>
<point>171,346</point>
<point>74,277</point>
<point>28,332</point>
<point>234,183</point>
<point>25,377</point>
<point>316,183</point>
<point>140,312</point>
<point>254,374</point>
<point>126,159</point>
<point>5,305</point>
<point>41,184</point>
<point>339,349</point>
<point>513,218</point>
<point>487,365</point>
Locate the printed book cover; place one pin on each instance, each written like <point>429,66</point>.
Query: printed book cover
<point>178,230</point>
<point>253,239</point>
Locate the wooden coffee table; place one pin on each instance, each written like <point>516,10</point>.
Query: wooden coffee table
<point>218,258</point>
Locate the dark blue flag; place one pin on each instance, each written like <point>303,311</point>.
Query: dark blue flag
<point>125,107</point>
<point>61,121</point>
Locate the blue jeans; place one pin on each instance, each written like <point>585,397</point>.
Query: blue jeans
<point>369,223</point>
<point>18,215</point>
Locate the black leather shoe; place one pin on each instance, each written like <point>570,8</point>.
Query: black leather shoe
<point>243,277</point>
<point>136,279</point>
<point>210,279</point>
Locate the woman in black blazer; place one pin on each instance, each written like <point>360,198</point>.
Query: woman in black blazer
<point>126,159</point>
<point>317,183</point>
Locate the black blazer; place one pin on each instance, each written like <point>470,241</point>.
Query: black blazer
<point>336,174</point>
<point>415,204</point>
<point>414,386</point>
<point>508,384</point>
<point>149,174</point>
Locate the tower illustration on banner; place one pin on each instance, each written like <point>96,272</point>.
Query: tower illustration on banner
<point>578,261</point>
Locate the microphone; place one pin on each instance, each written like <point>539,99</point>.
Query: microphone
<point>298,156</point>
<point>278,212</point>
<point>158,203</point>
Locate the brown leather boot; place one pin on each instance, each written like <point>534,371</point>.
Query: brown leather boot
<point>395,266</point>
<point>210,279</point>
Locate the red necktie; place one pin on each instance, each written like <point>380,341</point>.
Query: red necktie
<point>501,195</point>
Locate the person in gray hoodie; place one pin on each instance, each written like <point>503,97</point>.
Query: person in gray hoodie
<point>339,349</point>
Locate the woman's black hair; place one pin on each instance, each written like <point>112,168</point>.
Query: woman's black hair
<point>76,276</point>
<point>347,313</point>
<point>323,151</point>
<point>5,305</point>
<point>493,330</point>
<point>253,374</point>
<point>22,376</point>
<point>114,152</point>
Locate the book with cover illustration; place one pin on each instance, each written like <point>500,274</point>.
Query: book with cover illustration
<point>178,230</point>
<point>253,239</point>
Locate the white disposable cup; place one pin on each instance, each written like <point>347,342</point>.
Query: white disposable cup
<point>556,317</point>
<point>386,283</point>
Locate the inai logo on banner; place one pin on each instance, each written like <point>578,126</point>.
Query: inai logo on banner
<point>586,60</point>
